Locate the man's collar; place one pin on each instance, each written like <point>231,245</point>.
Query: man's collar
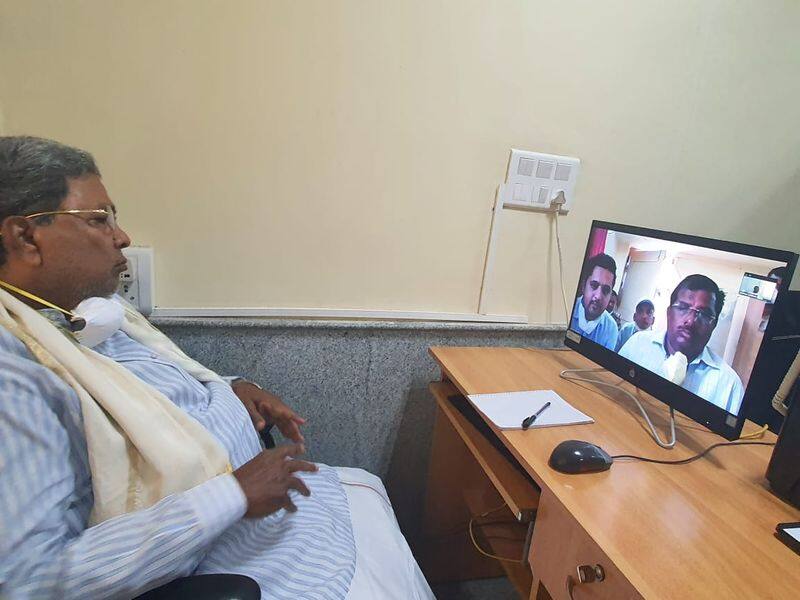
<point>705,356</point>
<point>659,340</point>
<point>580,311</point>
<point>578,305</point>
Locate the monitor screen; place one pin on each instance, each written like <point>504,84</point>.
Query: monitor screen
<point>681,317</point>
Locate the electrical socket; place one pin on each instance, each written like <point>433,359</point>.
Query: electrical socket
<point>534,180</point>
<point>136,282</point>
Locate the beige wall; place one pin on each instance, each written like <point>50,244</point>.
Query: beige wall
<point>345,153</point>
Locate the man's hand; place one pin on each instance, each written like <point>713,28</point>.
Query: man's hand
<point>265,407</point>
<point>267,479</point>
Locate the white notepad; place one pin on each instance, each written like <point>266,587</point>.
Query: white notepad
<point>508,409</point>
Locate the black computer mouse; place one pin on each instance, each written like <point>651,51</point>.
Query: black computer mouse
<point>576,456</point>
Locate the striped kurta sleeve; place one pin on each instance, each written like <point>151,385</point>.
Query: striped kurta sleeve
<point>46,551</point>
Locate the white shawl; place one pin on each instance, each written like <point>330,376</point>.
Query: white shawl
<point>141,446</point>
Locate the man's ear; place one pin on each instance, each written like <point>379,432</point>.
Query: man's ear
<point>16,235</point>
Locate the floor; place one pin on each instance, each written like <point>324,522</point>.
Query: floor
<point>499,588</point>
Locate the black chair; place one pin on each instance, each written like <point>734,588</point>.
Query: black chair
<point>206,587</point>
<point>266,436</point>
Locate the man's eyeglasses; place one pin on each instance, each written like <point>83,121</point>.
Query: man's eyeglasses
<point>100,217</point>
<point>706,317</point>
<point>606,289</point>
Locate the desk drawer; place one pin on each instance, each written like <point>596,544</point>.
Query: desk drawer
<point>560,546</point>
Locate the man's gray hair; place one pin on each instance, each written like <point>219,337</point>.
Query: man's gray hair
<point>34,175</point>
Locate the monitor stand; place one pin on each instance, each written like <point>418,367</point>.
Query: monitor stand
<point>568,374</point>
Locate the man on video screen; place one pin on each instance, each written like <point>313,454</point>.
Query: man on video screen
<point>612,307</point>
<point>643,319</point>
<point>590,318</point>
<point>695,305</point>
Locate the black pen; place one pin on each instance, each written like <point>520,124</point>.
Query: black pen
<point>528,421</point>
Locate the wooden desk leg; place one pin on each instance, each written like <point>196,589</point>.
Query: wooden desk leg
<point>446,552</point>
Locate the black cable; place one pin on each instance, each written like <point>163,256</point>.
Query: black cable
<point>691,458</point>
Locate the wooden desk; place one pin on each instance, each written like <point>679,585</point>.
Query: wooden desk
<point>702,530</point>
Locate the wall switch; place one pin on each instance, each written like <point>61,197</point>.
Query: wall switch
<point>542,177</point>
<point>136,282</point>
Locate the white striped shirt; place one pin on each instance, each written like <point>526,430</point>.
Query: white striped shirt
<point>46,549</point>
<point>707,376</point>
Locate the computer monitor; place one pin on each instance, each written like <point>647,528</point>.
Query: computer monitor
<point>690,317</point>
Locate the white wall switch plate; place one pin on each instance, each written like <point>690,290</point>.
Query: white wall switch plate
<point>533,179</point>
<point>136,282</point>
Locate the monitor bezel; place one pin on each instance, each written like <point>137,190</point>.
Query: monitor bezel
<point>711,416</point>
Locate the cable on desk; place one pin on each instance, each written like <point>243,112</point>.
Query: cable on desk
<point>568,375</point>
<point>759,433</point>
<point>475,542</point>
<point>691,458</point>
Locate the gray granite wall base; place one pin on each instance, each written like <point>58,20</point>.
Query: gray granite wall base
<point>361,385</point>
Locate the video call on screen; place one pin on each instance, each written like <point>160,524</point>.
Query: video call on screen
<point>658,302</point>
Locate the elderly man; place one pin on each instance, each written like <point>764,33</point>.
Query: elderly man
<point>589,317</point>
<point>695,305</point>
<point>127,465</point>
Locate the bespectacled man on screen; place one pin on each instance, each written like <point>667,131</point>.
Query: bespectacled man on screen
<point>589,318</point>
<point>692,315</point>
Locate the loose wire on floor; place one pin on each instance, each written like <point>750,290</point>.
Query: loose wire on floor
<point>475,542</point>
